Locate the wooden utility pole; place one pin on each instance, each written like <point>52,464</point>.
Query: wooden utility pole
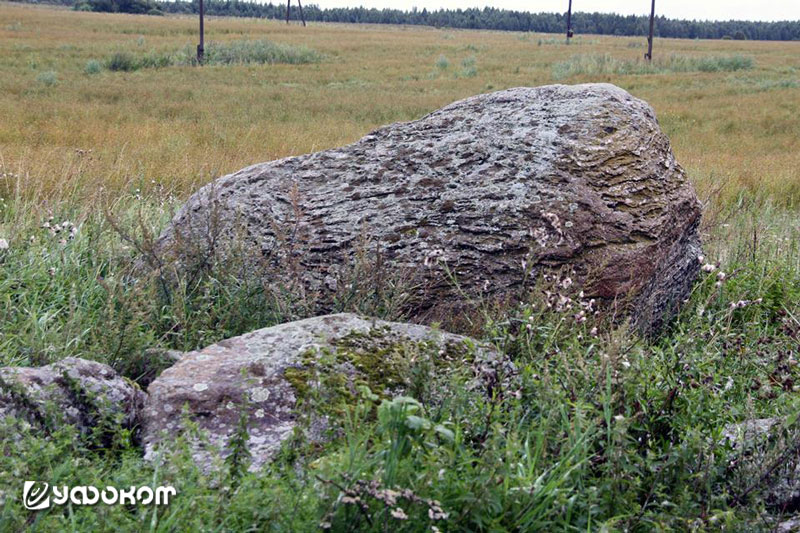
<point>288,7</point>
<point>301,13</point>
<point>200,49</point>
<point>649,55</point>
<point>569,21</point>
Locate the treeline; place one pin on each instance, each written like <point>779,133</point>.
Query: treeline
<point>137,7</point>
<point>487,18</point>
<point>501,19</point>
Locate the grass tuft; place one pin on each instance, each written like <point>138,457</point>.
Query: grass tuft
<point>93,66</point>
<point>48,78</point>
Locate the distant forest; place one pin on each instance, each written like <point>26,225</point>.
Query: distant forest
<point>485,19</point>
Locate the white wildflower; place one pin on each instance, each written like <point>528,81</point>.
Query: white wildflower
<point>708,267</point>
<point>436,513</point>
<point>399,514</point>
<point>3,244</point>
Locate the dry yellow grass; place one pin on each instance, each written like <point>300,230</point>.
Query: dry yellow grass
<point>182,126</point>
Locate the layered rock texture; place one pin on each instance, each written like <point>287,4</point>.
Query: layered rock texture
<point>72,391</point>
<point>474,200</point>
<point>267,379</point>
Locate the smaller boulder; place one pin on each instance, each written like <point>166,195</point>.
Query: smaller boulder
<point>269,379</point>
<point>767,461</point>
<point>749,433</point>
<point>72,391</point>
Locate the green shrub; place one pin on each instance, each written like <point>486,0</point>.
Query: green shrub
<point>122,62</point>
<point>48,78</point>
<point>468,68</point>
<point>93,66</point>
<point>442,63</point>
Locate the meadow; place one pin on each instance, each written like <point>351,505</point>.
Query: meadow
<point>106,126</point>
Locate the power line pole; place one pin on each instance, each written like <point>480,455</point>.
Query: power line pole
<point>288,8</point>
<point>569,21</point>
<point>200,48</point>
<point>649,55</point>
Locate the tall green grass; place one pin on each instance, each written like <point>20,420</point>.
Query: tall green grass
<point>242,52</point>
<point>600,429</point>
<point>245,52</point>
<point>597,64</point>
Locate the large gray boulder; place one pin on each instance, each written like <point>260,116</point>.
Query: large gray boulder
<point>297,376</point>
<point>475,200</point>
<point>72,391</point>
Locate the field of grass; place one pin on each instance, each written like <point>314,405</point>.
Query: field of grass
<point>105,127</point>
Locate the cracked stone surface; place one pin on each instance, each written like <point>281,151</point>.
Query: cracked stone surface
<point>557,176</point>
<point>247,374</point>
<point>43,397</point>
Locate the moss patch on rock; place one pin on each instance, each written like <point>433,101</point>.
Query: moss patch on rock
<point>385,363</point>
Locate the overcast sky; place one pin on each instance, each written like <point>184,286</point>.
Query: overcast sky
<point>683,9</point>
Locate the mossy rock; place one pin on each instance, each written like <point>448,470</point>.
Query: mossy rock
<point>303,375</point>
